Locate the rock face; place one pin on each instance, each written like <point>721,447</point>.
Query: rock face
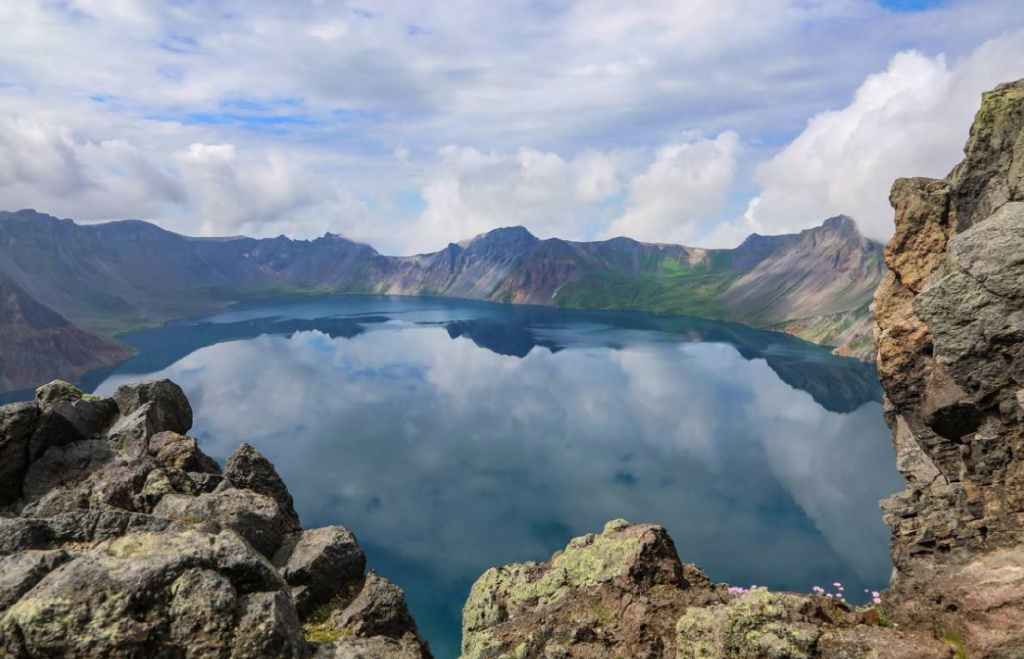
<point>950,332</point>
<point>120,538</point>
<point>624,593</point>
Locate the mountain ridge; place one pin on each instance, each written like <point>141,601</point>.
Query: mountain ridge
<point>117,276</point>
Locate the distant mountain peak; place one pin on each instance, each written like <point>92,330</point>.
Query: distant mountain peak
<point>515,236</point>
<point>839,222</point>
<point>517,232</point>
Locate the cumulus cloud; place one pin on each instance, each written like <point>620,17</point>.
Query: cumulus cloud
<point>331,106</point>
<point>234,195</point>
<point>470,192</point>
<point>45,166</point>
<point>910,120</point>
<point>686,182</point>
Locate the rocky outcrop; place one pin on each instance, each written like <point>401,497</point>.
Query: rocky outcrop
<point>120,538</point>
<point>950,331</point>
<point>624,593</point>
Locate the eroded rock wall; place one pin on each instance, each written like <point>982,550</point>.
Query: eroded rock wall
<point>950,335</point>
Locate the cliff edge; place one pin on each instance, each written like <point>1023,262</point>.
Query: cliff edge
<point>950,334</point>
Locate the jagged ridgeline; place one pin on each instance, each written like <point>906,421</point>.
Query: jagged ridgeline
<point>118,276</point>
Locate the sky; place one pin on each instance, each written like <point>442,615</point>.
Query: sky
<point>409,125</point>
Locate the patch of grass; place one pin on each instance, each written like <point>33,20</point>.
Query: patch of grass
<point>682,294</point>
<point>956,641</point>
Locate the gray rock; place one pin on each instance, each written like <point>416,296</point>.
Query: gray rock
<point>246,468</point>
<point>78,528</point>
<point>164,401</point>
<point>268,626</point>
<point>255,517</point>
<point>147,409</point>
<point>378,647</point>
<point>378,610</point>
<point>68,415</point>
<point>19,573</point>
<point>147,595</point>
<point>17,423</point>
<point>319,564</point>
<point>173,450</point>
<point>65,465</point>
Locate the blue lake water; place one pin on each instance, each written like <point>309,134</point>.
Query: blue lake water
<point>452,436</point>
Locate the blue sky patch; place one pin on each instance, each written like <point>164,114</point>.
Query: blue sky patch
<point>911,5</point>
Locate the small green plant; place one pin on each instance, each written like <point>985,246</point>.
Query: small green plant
<point>956,642</point>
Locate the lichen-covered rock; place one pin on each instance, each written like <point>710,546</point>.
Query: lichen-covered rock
<point>758,623</point>
<point>124,598</point>
<point>950,334</point>
<point>130,542</point>
<point>319,564</point>
<point>617,592</point>
<point>379,647</point>
<point>255,517</point>
<point>19,573</point>
<point>623,593</point>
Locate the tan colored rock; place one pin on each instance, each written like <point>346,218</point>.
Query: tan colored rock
<point>950,332</point>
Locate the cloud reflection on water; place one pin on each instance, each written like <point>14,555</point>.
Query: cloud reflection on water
<point>447,459</point>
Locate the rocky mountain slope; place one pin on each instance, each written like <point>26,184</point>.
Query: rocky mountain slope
<point>112,277</point>
<point>38,344</point>
<point>120,538</point>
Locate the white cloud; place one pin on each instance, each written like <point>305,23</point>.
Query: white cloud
<point>686,183</point>
<point>266,194</point>
<point>234,195</point>
<point>471,192</point>
<point>45,164</point>
<point>320,101</point>
<point>910,120</point>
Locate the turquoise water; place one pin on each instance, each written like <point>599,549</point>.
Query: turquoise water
<point>453,436</point>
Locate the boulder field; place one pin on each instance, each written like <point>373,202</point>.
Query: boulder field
<point>121,538</point>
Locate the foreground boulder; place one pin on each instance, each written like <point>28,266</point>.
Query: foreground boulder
<point>120,538</point>
<point>950,332</point>
<point>624,593</point>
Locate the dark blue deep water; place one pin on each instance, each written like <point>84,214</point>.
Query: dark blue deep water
<point>452,436</point>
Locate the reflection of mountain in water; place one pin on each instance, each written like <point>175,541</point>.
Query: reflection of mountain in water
<point>837,384</point>
<point>501,338</point>
<point>163,346</point>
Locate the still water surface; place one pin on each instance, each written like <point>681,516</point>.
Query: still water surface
<point>453,436</point>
